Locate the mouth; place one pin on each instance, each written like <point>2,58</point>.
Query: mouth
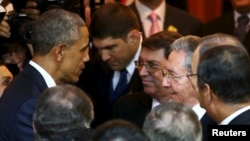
<point>171,91</point>
<point>146,82</point>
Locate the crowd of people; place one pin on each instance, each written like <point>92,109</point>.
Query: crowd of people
<point>147,71</point>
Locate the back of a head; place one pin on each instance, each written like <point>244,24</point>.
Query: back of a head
<point>119,130</point>
<point>113,20</point>
<point>60,109</point>
<point>217,39</point>
<point>53,27</point>
<point>226,69</point>
<point>172,122</point>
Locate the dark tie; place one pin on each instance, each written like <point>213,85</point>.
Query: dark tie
<point>121,88</point>
<point>240,30</point>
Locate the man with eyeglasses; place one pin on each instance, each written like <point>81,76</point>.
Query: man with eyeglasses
<point>178,73</point>
<point>134,107</point>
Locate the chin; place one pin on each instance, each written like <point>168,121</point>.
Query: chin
<point>149,91</point>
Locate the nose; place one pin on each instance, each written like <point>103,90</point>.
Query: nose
<point>104,54</point>
<point>165,82</point>
<point>86,57</point>
<point>143,71</point>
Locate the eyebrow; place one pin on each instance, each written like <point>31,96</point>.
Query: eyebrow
<point>170,70</point>
<point>110,46</point>
<point>85,47</point>
<point>154,62</point>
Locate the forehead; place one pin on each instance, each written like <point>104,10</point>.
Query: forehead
<point>105,42</point>
<point>177,56</point>
<point>149,54</point>
<point>84,41</point>
<point>176,60</point>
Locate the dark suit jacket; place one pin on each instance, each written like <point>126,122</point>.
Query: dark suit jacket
<point>243,118</point>
<point>17,105</point>
<point>185,23</point>
<point>95,81</point>
<point>133,107</point>
<point>224,24</point>
<point>205,121</point>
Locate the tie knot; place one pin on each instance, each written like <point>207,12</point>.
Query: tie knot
<point>243,20</point>
<point>123,72</point>
<point>153,16</point>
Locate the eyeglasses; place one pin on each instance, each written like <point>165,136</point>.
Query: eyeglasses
<point>149,66</point>
<point>176,77</point>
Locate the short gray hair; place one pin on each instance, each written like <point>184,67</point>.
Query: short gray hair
<point>187,44</point>
<point>56,26</point>
<point>173,122</point>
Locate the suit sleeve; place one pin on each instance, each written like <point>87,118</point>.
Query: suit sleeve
<point>24,120</point>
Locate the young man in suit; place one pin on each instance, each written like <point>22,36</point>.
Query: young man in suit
<point>134,107</point>
<point>229,22</point>
<point>60,41</point>
<point>115,34</point>
<point>168,17</point>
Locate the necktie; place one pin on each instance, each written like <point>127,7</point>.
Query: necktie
<point>240,30</point>
<point>121,88</point>
<point>154,26</point>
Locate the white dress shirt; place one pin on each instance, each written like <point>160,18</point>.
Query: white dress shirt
<point>144,12</point>
<point>46,76</point>
<point>130,68</point>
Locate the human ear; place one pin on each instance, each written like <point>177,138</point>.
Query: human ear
<point>59,52</point>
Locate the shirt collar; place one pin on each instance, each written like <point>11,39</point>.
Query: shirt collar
<point>46,76</point>
<point>237,15</point>
<point>199,111</point>
<point>144,11</point>
<point>234,115</point>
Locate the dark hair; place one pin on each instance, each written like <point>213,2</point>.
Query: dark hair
<point>226,69</point>
<point>161,40</point>
<point>113,20</point>
<point>119,129</point>
<point>61,109</point>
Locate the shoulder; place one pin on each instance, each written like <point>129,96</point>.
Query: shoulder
<point>181,14</point>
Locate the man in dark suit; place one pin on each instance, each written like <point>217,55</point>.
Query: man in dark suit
<point>228,23</point>
<point>60,41</point>
<point>206,43</point>
<point>225,94</point>
<point>136,106</point>
<point>168,17</point>
<point>115,34</point>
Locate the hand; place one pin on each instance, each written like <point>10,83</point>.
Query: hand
<point>31,10</point>
<point>5,28</point>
